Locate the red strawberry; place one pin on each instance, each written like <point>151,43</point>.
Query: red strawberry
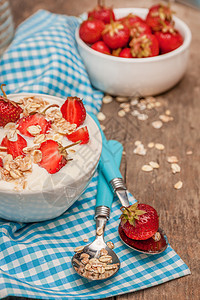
<point>126,53</point>
<point>90,31</point>
<point>81,134</point>
<point>139,221</point>
<point>100,46</point>
<point>169,41</point>
<point>54,157</point>
<point>74,111</point>
<point>105,14</point>
<point>150,245</point>
<point>33,120</point>
<point>1,163</point>
<point>116,35</point>
<point>130,20</point>
<point>158,16</point>
<point>145,45</point>
<point>15,148</point>
<point>9,110</point>
<point>139,28</point>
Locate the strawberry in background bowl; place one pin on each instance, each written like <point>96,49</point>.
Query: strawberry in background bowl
<point>48,154</point>
<point>142,65</point>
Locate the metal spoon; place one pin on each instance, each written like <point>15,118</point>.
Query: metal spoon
<point>108,158</point>
<point>109,165</point>
<point>83,261</point>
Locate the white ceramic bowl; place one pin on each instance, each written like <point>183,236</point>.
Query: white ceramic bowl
<point>48,196</point>
<point>133,76</point>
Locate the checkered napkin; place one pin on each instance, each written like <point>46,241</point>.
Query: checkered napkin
<point>35,259</point>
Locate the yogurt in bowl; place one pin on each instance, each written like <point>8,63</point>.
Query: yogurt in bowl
<point>39,195</point>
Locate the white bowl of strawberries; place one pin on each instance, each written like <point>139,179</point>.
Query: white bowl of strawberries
<point>140,52</point>
<point>49,150</point>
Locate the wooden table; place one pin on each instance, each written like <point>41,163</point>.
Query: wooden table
<point>178,209</point>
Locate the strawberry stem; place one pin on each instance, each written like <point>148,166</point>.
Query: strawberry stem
<point>52,105</point>
<point>69,146</point>
<point>3,84</point>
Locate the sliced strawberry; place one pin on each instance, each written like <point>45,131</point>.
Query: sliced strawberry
<point>15,148</point>
<point>36,119</point>
<point>81,134</point>
<point>150,245</point>
<point>1,163</point>
<point>53,156</point>
<point>9,110</point>
<point>139,221</point>
<point>74,111</point>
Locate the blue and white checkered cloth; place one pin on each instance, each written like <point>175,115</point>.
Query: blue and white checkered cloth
<point>35,259</point>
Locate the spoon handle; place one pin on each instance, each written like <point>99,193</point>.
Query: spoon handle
<point>104,193</point>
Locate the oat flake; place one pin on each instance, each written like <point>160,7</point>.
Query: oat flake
<point>178,185</point>
<point>157,124</point>
<point>107,99</point>
<point>154,164</point>
<point>147,168</point>
<point>101,116</point>
<point>159,146</point>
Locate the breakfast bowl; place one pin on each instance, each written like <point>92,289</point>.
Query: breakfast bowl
<point>147,76</point>
<point>46,195</point>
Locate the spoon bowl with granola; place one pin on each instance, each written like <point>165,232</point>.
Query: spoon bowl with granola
<point>49,151</point>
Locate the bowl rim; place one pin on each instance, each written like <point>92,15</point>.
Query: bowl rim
<point>183,47</point>
<point>24,94</point>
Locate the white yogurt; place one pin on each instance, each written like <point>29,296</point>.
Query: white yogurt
<point>84,159</point>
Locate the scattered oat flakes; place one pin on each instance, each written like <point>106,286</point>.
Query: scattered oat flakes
<point>124,105</point>
<point>134,102</point>
<point>105,259</point>
<point>178,185</point>
<point>141,106</point>
<point>135,113</point>
<point>157,124</point>
<point>110,245</point>
<point>168,112</point>
<point>122,99</point>
<point>154,164</point>
<point>34,130</point>
<point>79,249</point>
<point>103,252</point>
<point>137,143</point>
<point>189,152</point>
<point>101,116</point>
<point>107,99</point>
<point>172,159</point>
<point>103,127</point>
<point>100,231</point>
<point>156,236</point>
<point>158,104</point>
<point>142,117</point>
<point>165,118</point>
<point>150,145</point>
<point>159,146</point>
<point>140,150</point>
<point>121,113</point>
<point>175,168</point>
<point>147,168</point>
<point>86,240</point>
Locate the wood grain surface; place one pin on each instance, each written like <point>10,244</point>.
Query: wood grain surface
<point>178,209</point>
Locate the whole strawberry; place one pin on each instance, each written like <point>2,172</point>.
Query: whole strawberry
<point>139,221</point>
<point>73,111</point>
<point>169,41</point>
<point>116,35</point>
<point>90,30</point>
<point>145,45</point>
<point>158,16</point>
<point>102,13</point>
<point>9,110</point>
